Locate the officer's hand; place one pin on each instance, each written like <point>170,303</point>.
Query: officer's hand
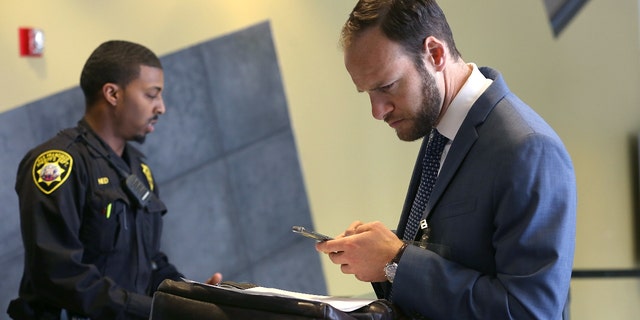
<point>215,279</point>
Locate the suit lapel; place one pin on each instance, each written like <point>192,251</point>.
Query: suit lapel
<point>467,136</point>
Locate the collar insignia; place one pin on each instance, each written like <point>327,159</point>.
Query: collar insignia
<point>51,169</point>
<point>147,173</point>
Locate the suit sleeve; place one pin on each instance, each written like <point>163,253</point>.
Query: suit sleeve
<point>533,239</point>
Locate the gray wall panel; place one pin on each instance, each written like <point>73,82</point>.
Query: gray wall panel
<point>15,139</point>
<point>59,111</point>
<point>200,206</point>
<point>268,193</point>
<point>245,84</point>
<point>11,271</point>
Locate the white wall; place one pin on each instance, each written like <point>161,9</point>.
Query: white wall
<point>584,83</point>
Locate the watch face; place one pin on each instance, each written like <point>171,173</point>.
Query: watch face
<point>390,271</point>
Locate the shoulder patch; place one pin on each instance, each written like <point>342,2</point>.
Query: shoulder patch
<point>147,173</point>
<point>51,169</point>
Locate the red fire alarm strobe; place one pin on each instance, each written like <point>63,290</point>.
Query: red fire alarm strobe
<point>31,42</point>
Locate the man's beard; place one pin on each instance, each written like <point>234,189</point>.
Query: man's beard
<point>429,111</point>
<point>140,138</point>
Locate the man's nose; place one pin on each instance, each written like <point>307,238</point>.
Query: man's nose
<point>380,107</point>
<point>161,109</point>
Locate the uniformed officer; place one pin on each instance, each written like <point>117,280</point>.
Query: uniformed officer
<point>90,214</point>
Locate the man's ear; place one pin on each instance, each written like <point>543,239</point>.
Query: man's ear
<point>435,53</point>
<point>110,92</point>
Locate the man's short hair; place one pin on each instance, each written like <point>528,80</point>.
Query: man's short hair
<point>114,61</point>
<point>407,22</point>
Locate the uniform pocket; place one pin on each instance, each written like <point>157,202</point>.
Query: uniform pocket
<point>105,227</point>
<point>152,224</point>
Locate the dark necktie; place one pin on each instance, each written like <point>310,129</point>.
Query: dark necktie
<point>430,166</point>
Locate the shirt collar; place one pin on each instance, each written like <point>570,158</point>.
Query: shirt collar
<point>472,89</point>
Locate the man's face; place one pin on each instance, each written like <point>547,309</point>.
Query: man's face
<point>140,103</point>
<point>404,95</point>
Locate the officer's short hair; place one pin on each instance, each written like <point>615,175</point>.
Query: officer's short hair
<point>114,61</point>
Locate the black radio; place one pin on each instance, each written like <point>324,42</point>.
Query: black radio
<point>137,190</point>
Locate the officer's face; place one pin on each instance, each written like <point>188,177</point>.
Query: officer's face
<point>140,105</point>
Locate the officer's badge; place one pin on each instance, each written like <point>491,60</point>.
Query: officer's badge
<point>147,173</point>
<point>51,169</point>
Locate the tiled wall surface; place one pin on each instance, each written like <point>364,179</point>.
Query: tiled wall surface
<point>225,160</point>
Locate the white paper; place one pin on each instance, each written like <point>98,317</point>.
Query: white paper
<point>342,304</point>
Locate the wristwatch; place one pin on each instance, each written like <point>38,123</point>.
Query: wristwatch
<point>390,270</point>
<point>391,267</point>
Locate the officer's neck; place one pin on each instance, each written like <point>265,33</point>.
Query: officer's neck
<point>100,123</point>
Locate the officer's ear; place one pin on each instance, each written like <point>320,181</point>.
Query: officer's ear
<point>111,92</point>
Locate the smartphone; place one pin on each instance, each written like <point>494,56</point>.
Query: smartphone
<point>310,234</point>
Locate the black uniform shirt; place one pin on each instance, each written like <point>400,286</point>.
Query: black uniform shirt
<point>89,247</point>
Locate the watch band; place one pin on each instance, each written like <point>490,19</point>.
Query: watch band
<point>396,259</point>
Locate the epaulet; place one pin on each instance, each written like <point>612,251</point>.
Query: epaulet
<point>71,133</point>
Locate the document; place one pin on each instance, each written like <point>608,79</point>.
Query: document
<point>342,304</point>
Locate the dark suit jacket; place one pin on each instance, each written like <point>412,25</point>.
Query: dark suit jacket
<point>502,215</point>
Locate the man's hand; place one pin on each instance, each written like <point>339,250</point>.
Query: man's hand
<point>363,250</point>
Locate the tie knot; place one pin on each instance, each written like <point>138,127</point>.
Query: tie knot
<point>437,141</point>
